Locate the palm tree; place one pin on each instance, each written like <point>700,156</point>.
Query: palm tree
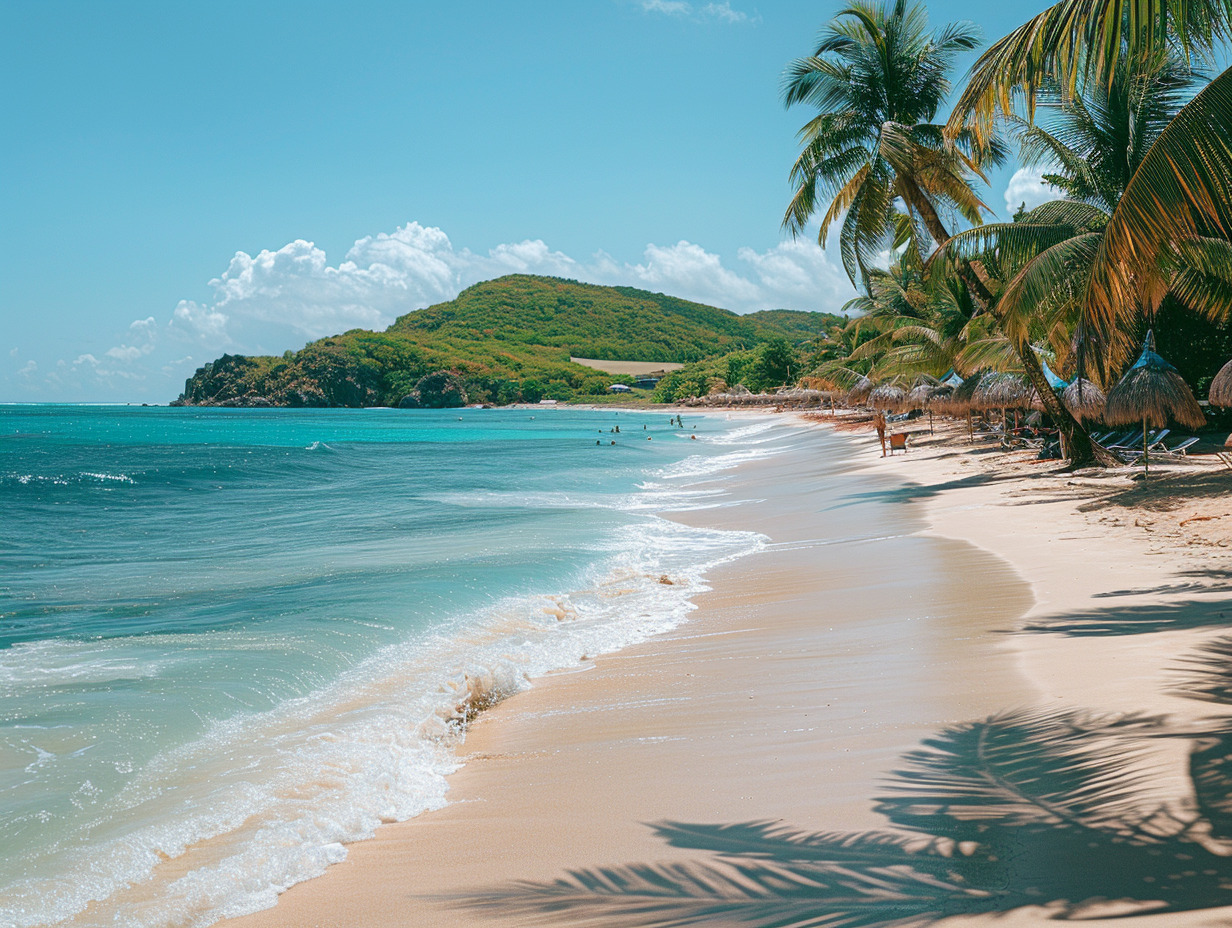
<point>876,80</point>
<point>910,325</point>
<point>1172,227</point>
<point>1077,41</point>
<point>1178,208</point>
<point>1098,140</point>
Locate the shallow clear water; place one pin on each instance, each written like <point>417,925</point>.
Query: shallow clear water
<point>233,639</point>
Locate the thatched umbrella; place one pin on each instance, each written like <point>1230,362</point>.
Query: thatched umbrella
<point>887,396</point>
<point>919,395</point>
<point>1153,393</point>
<point>859,393</point>
<point>1002,391</point>
<point>1221,387</point>
<point>961,402</point>
<point>1084,400</point>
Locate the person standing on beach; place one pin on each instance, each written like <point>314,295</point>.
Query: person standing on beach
<point>879,423</point>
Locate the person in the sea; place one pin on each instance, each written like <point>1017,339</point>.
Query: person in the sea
<point>879,423</point>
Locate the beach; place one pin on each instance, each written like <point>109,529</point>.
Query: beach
<point>881,612</point>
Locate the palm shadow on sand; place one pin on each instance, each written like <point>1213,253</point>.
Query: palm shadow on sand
<point>1025,808</point>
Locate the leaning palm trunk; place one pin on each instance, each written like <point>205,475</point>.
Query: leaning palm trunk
<point>1076,443</point>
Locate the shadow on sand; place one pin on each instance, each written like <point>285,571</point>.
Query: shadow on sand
<point>1028,808</point>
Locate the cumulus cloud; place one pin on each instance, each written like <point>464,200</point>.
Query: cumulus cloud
<point>280,298</point>
<point>128,352</point>
<point>28,368</point>
<point>200,320</point>
<point>720,12</point>
<point>1027,186</point>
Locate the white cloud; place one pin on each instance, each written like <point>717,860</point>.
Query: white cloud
<point>280,298</point>
<point>297,292</point>
<point>1027,186</point>
<point>670,7</point>
<point>13,353</point>
<point>724,12</point>
<point>682,9</point>
<point>125,352</point>
<point>200,320</point>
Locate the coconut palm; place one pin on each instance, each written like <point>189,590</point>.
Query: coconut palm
<point>1173,224</point>
<point>1181,195</point>
<point>876,80</point>
<point>1098,141</point>
<point>1080,41</point>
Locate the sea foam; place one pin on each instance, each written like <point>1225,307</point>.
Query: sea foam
<point>262,799</point>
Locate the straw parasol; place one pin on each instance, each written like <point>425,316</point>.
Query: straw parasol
<point>1002,391</point>
<point>1153,393</point>
<point>887,396</point>
<point>1084,400</point>
<point>918,396</point>
<point>1221,387</point>
<point>859,393</point>
<point>961,401</point>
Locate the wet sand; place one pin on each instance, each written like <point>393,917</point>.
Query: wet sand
<point>789,696</point>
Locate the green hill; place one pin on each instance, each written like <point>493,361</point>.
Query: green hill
<point>507,339</point>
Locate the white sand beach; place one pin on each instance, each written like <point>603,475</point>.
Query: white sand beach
<point>883,610</point>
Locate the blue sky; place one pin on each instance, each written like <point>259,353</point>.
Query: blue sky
<point>183,179</point>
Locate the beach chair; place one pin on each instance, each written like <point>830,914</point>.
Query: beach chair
<point>1117,440</point>
<point>1155,442</point>
<point>1130,451</point>
<point>1181,448</point>
<point>898,441</point>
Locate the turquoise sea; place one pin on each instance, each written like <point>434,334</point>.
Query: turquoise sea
<point>232,640</point>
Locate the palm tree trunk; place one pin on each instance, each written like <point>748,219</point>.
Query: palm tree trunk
<point>1077,447</point>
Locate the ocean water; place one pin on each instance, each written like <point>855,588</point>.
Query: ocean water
<point>233,640</point>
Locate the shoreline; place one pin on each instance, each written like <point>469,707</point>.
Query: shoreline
<point>673,705</point>
<point>571,772</point>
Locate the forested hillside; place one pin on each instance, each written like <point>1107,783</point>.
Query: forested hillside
<point>502,341</point>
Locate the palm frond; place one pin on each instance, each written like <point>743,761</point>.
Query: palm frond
<point>1181,190</point>
<point>1076,39</point>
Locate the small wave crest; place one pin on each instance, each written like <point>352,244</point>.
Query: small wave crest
<point>267,799</point>
<point>699,465</point>
<point>64,480</point>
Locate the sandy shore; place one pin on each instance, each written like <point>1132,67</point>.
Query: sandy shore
<point>878,615</point>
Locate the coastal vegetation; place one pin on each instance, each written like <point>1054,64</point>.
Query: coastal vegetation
<point>1106,96</point>
<point>502,341</point>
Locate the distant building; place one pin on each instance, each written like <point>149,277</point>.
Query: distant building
<point>646,383</point>
<point>619,388</point>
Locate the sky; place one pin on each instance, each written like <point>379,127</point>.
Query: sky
<point>184,179</point>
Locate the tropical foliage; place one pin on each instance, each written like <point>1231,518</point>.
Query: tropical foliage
<point>1111,108</point>
<point>507,340</point>
<point>876,80</point>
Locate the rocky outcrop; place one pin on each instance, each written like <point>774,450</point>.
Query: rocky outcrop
<point>438,390</point>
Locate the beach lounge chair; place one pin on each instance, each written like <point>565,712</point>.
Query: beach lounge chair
<point>1156,442</point>
<point>1132,446</point>
<point>1118,440</point>
<point>1181,448</point>
<point>898,441</point>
